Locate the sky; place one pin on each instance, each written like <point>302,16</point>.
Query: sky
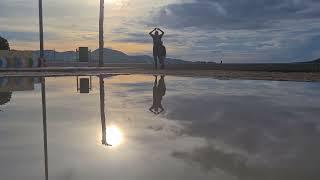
<point>234,31</point>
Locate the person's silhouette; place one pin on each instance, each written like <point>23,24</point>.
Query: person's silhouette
<point>159,90</point>
<point>156,44</point>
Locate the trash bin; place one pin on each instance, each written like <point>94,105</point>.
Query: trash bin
<point>84,85</point>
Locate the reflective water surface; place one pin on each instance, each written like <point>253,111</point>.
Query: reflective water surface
<point>141,127</point>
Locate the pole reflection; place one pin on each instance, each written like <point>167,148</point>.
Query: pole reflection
<point>111,134</point>
<point>102,111</point>
<point>44,119</point>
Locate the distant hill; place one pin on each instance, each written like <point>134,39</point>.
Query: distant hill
<point>109,56</point>
<point>317,61</point>
<point>114,56</point>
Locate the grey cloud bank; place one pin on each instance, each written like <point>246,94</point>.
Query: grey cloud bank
<point>247,31</point>
<point>237,14</point>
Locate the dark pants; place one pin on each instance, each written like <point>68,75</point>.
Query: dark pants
<point>155,58</point>
<point>156,55</point>
<point>161,59</point>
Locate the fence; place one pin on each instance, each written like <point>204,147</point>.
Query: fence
<point>17,59</point>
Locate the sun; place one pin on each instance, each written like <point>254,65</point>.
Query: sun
<point>114,136</point>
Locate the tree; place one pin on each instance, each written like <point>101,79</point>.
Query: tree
<point>4,45</point>
<point>5,97</point>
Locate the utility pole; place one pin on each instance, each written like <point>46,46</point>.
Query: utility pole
<point>43,92</point>
<point>41,33</point>
<point>101,43</point>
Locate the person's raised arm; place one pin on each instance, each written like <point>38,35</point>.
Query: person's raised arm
<point>152,31</point>
<point>155,81</point>
<point>162,32</point>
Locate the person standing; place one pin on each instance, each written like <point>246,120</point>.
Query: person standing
<point>156,44</point>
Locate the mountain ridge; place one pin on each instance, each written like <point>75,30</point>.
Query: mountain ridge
<point>316,61</point>
<point>109,56</point>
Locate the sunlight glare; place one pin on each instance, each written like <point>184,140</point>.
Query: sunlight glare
<point>114,136</point>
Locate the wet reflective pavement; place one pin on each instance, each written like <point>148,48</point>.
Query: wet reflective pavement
<point>159,127</point>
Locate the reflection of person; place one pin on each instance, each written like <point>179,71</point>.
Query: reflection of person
<point>156,44</point>
<point>159,90</point>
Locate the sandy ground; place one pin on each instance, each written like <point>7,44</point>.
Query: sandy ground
<point>217,74</point>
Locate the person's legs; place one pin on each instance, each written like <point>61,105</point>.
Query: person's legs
<point>155,56</point>
<point>155,62</point>
<point>161,62</point>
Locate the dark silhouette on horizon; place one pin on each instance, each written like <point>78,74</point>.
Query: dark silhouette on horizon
<point>158,48</point>
<point>5,97</point>
<point>8,85</point>
<point>159,90</point>
<point>4,44</point>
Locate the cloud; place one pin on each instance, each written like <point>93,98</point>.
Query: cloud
<point>26,36</point>
<point>17,9</point>
<point>235,14</point>
<point>243,31</point>
<point>134,38</point>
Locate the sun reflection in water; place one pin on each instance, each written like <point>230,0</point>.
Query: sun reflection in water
<point>114,136</point>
